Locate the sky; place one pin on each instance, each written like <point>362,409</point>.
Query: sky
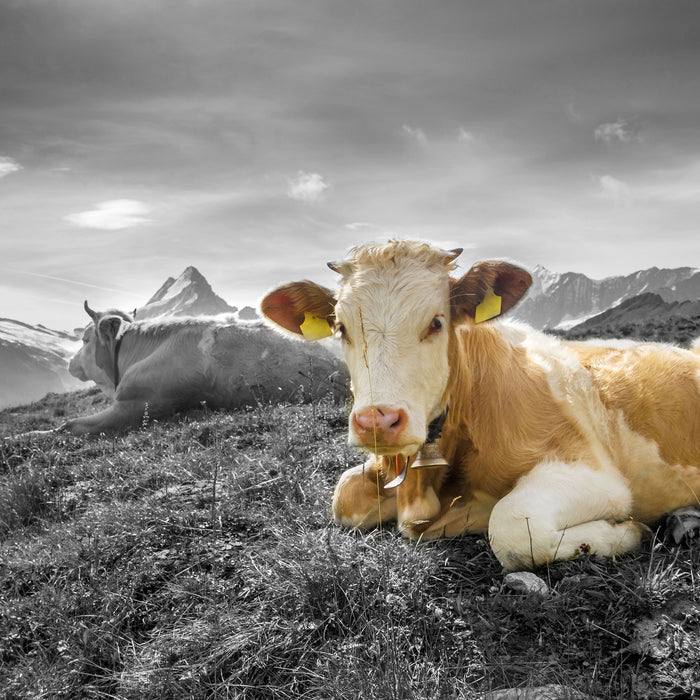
<point>258,139</point>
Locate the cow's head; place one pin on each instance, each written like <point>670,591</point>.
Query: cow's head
<point>95,359</point>
<point>395,311</point>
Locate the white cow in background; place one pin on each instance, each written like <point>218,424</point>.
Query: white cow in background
<point>163,366</point>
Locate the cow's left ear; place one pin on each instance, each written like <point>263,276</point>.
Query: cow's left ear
<point>304,308</point>
<point>108,327</point>
<point>488,290</point>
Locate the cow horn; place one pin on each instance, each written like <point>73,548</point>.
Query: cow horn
<point>452,255</point>
<point>92,314</point>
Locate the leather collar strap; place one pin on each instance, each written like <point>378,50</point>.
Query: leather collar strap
<point>435,427</point>
<point>117,346</point>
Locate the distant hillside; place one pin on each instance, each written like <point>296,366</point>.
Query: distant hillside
<point>566,300</point>
<point>644,317</point>
<point>34,361</point>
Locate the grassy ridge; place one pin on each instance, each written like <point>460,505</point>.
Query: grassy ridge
<point>677,330</point>
<point>195,558</point>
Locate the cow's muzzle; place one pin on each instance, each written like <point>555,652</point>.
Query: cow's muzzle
<point>381,428</point>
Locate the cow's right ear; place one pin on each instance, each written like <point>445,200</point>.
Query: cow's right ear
<point>488,290</point>
<point>304,308</point>
<point>108,328</point>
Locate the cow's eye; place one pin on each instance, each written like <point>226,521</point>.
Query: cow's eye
<point>340,330</point>
<point>435,325</point>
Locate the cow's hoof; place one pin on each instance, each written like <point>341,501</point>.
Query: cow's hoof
<point>683,525</point>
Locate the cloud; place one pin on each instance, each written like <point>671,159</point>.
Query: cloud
<point>112,215</point>
<point>620,130</point>
<point>75,282</point>
<point>367,231</point>
<point>362,226</point>
<point>465,136</point>
<point>8,165</point>
<point>415,133</point>
<point>575,116</point>
<point>307,187</point>
<point>613,188</point>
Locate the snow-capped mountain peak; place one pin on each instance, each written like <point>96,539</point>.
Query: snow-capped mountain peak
<point>188,295</point>
<point>543,280</point>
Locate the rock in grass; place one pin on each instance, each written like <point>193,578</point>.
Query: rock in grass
<point>526,582</point>
<point>684,524</point>
<point>543,692</point>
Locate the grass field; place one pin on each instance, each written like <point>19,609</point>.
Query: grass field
<point>196,558</point>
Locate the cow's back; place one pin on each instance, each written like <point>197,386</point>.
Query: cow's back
<point>251,363</point>
<point>226,364</point>
<point>652,395</point>
<point>656,388</point>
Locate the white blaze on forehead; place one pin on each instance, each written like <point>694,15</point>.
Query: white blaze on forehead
<point>386,304</point>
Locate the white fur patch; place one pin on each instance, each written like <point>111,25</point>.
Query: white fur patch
<point>555,502</point>
<point>391,359</point>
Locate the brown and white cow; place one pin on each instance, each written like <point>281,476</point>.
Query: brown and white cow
<point>168,365</point>
<point>554,448</point>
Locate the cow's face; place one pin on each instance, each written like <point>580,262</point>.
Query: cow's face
<point>395,311</point>
<point>95,359</point>
<point>394,323</point>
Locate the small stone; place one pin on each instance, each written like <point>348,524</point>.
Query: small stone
<point>526,582</point>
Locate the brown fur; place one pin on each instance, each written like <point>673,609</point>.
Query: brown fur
<point>657,389</point>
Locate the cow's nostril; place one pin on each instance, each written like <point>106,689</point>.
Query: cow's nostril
<point>384,421</point>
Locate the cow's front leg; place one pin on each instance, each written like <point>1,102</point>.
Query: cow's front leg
<point>360,499</point>
<point>459,515</point>
<point>558,511</point>
<point>119,416</point>
<point>418,503</point>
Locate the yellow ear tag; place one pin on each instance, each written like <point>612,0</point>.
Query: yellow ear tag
<point>314,328</point>
<point>490,307</point>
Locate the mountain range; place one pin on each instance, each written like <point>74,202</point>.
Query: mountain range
<point>563,301</point>
<point>644,317</point>
<point>656,303</point>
